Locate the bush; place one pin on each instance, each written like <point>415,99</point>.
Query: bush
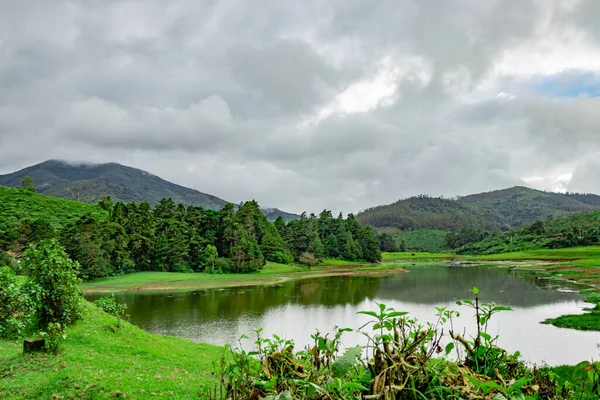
<point>110,306</point>
<point>224,265</point>
<point>281,257</point>
<point>54,336</point>
<point>6,260</point>
<point>51,269</point>
<point>17,305</point>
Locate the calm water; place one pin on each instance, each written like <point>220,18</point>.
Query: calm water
<point>295,309</point>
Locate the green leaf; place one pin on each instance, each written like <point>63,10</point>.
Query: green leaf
<point>449,347</point>
<point>395,314</point>
<point>475,291</point>
<point>369,313</point>
<point>354,386</point>
<point>341,366</point>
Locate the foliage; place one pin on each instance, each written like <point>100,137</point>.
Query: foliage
<point>8,261</point>
<point>423,240</point>
<point>17,305</point>
<point>18,204</point>
<point>55,274</point>
<point>116,238</point>
<point>398,362</point>
<point>482,354</point>
<point>308,259</point>
<point>111,306</point>
<point>54,335</point>
<point>27,184</point>
<point>577,230</point>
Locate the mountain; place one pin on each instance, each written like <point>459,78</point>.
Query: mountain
<point>90,182</point>
<point>498,210</point>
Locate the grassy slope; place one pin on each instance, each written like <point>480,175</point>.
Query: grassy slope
<point>17,204</point>
<point>97,363</point>
<point>423,240</point>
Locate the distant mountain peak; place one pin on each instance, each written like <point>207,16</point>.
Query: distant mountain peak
<point>88,182</point>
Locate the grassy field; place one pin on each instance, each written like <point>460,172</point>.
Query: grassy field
<point>271,273</point>
<point>409,255</point>
<point>102,362</point>
<point>589,253</point>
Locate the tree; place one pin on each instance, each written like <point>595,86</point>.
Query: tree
<point>272,246</point>
<point>386,242</point>
<point>56,275</point>
<point>370,245</point>
<point>210,256</point>
<point>245,253</point>
<point>308,259</point>
<point>27,184</point>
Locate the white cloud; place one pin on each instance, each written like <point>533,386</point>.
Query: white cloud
<point>340,104</point>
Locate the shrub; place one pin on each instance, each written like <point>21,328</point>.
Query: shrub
<point>51,269</point>
<point>223,265</point>
<point>54,336</point>
<point>17,305</point>
<point>110,306</point>
<point>6,260</point>
<point>281,257</point>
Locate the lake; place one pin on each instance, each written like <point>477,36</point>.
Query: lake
<point>295,308</point>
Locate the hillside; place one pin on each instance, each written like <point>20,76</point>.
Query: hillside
<point>90,182</point>
<point>17,204</point>
<point>581,229</point>
<point>499,210</point>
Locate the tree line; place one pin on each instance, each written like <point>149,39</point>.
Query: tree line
<point>177,238</point>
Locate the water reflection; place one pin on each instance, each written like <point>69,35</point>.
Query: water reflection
<point>295,308</point>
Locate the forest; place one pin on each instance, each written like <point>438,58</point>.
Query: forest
<point>171,237</point>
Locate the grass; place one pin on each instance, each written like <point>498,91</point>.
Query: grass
<point>331,262</point>
<point>271,273</point>
<point>189,281</point>
<point>17,204</point>
<point>410,255</point>
<point>590,253</point>
<point>101,362</point>
<point>582,322</point>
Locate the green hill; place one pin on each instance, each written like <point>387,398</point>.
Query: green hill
<point>499,210</point>
<point>18,204</point>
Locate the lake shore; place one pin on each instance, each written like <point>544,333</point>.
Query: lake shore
<point>579,265</point>
<point>271,274</point>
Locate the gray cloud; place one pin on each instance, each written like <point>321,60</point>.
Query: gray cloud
<point>306,105</point>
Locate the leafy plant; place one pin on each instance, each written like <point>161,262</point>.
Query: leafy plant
<point>17,305</point>
<point>110,306</point>
<point>54,336</point>
<point>55,274</point>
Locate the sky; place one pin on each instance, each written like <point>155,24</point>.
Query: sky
<point>308,104</point>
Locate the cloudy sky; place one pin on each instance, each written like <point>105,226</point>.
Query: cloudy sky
<point>308,104</point>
